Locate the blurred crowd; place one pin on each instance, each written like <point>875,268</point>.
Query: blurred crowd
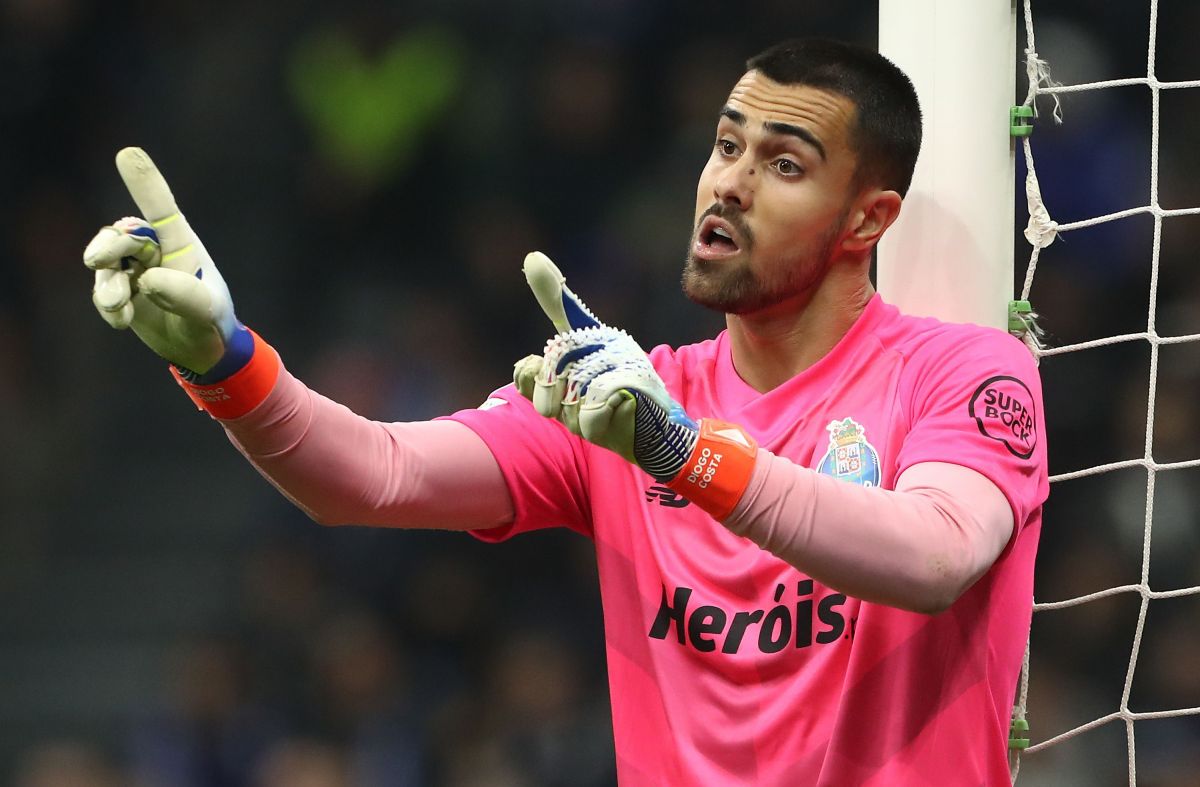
<point>369,175</point>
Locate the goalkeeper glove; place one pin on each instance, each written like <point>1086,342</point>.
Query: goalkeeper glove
<point>600,384</point>
<point>154,275</point>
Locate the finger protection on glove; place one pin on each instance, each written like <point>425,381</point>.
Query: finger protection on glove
<point>114,247</point>
<point>525,373</point>
<point>156,202</point>
<point>179,293</point>
<point>563,307</point>
<point>111,294</point>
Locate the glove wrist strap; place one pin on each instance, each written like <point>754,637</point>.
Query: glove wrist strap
<point>239,349</point>
<point>719,468</point>
<point>242,391</point>
<point>662,439</point>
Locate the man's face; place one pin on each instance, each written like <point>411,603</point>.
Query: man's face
<point>773,198</point>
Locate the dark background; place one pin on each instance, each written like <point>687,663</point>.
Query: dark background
<point>368,176</point>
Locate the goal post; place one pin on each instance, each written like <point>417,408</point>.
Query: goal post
<point>950,254</point>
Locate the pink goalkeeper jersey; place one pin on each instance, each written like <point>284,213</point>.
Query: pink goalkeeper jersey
<point>726,665</point>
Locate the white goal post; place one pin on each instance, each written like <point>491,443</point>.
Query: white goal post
<point>950,254</point>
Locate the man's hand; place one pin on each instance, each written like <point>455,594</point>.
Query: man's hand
<point>153,275</point>
<point>599,382</point>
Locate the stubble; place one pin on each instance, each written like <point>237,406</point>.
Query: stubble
<point>735,287</point>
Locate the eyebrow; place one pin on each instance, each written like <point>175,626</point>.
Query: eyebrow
<point>776,127</point>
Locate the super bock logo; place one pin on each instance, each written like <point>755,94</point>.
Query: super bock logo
<point>850,457</point>
<point>1003,409</point>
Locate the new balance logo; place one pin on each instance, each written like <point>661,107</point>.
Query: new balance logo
<point>734,436</point>
<point>665,497</point>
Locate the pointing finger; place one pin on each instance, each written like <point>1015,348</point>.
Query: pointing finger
<point>563,307</point>
<point>146,185</point>
<point>154,199</point>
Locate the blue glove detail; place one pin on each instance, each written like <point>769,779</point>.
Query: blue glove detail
<point>239,349</point>
<point>577,314</point>
<point>145,232</point>
<point>571,356</point>
<point>662,439</point>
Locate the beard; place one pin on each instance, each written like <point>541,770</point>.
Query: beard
<point>734,287</point>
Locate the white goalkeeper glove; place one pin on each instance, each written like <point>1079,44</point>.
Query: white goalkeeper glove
<point>600,384</point>
<point>153,275</point>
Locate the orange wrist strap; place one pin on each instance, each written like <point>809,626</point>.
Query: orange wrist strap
<point>717,473</point>
<point>243,390</point>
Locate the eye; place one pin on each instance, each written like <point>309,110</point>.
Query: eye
<point>727,147</point>
<point>787,167</point>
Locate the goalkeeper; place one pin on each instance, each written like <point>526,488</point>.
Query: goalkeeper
<point>815,532</point>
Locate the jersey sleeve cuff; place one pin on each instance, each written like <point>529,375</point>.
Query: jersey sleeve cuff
<point>719,469</point>
<point>242,391</point>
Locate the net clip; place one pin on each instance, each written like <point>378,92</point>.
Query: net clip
<point>1018,316</point>
<point>1020,120</point>
<point>1018,735</point>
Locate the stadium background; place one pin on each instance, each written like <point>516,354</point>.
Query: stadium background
<point>167,618</point>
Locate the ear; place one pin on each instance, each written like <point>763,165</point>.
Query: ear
<point>872,214</point>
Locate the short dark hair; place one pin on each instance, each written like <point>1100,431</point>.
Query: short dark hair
<point>887,132</point>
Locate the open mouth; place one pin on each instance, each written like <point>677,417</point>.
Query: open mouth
<point>716,239</point>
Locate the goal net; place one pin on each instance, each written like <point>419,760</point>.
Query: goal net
<point>1129,237</point>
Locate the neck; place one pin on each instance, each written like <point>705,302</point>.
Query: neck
<point>773,345</point>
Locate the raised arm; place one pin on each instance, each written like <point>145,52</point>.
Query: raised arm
<point>341,468</point>
<point>153,275</point>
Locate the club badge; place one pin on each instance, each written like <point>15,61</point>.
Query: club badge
<point>850,457</point>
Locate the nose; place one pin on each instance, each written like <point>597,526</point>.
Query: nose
<point>735,183</point>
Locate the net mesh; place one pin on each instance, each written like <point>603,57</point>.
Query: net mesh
<point>1041,231</point>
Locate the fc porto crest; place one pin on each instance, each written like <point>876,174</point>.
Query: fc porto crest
<point>850,457</point>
